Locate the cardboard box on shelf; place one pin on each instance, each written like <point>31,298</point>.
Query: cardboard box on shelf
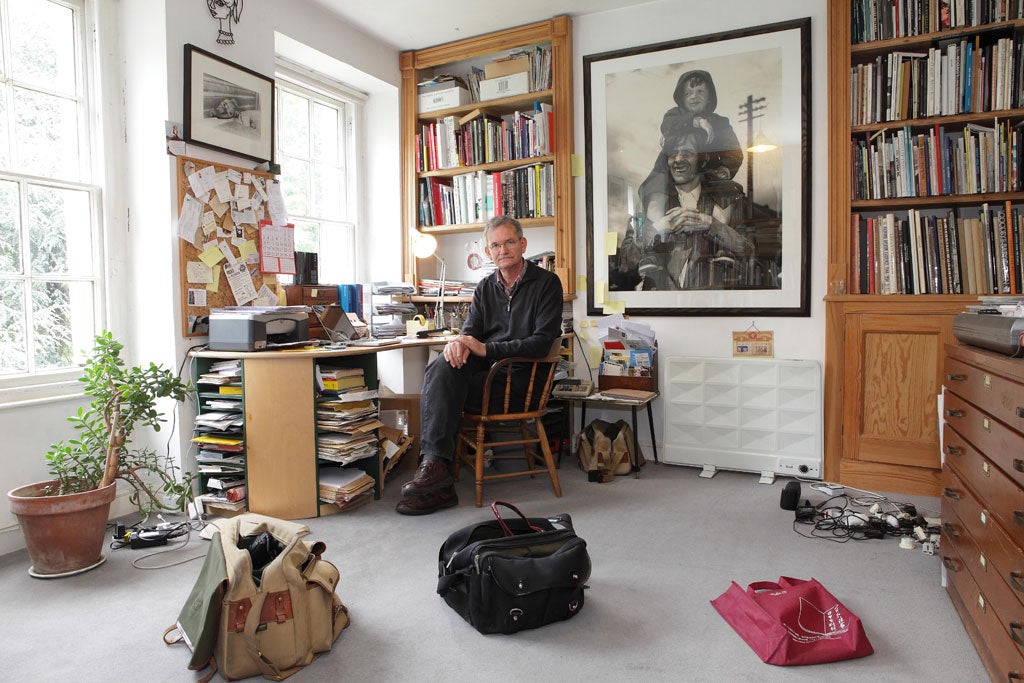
<point>507,67</point>
<point>506,86</point>
<point>455,96</point>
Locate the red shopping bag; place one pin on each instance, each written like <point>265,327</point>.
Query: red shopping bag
<point>793,622</point>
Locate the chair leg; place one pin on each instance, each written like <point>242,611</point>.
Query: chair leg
<point>479,470</point>
<point>524,434</point>
<point>546,449</point>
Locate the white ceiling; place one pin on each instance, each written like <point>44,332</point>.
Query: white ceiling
<point>415,24</point>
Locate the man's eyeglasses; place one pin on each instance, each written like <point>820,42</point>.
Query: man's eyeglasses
<point>508,244</point>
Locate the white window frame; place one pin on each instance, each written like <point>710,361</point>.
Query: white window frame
<point>40,386</point>
<point>313,84</point>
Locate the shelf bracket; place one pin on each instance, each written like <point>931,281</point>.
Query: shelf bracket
<point>767,477</point>
<point>708,471</point>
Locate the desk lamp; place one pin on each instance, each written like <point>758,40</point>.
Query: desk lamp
<point>424,246</point>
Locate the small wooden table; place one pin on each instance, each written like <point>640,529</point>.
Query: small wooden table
<point>598,399</point>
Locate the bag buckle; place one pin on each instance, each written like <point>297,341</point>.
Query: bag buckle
<point>515,613</point>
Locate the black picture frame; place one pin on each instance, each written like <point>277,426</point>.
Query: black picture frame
<point>633,260</point>
<point>228,107</point>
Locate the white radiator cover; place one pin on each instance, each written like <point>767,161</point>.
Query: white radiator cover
<point>748,414</point>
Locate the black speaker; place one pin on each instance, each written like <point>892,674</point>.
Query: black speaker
<point>790,496</point>
<point>307,271</point>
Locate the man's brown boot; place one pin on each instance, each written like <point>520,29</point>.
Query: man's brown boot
<point>431,476</point>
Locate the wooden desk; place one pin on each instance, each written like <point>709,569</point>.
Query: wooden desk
<point>280,420</point>
<point>600,400</point>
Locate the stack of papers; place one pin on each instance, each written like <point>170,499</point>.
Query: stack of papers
<point>222,372</point>
<point>220,421</point>
<point>346,448</point>
<point>355,417</point>
<point>341,484</point>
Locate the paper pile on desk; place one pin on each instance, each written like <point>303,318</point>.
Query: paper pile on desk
<point>628,347</point>
<point>343,484</point>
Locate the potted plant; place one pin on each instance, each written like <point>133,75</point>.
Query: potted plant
<point>64,519</point>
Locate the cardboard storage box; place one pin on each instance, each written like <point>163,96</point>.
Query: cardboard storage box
<point>507,67</point>
<point>455,96</point>
<point>506,86</point>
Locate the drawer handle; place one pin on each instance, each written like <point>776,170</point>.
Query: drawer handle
<point>950,530</point>
<point>1020,411</point>
<point>1018,464</point>
<point>1015,581</point>
<point>1018,516</point>
<point>954,450</point>
<point>1015,629</point>
<point>1014,676</point>
<point>950,564</point>
<point>955,378</point>
<point>953,412</point>
<point>950,493</point>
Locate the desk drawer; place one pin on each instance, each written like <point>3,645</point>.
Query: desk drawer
<point>311,295</point>
<point>1003,495</point>
<point>1000,397</point>
<point>996,647</point>
<point>1003,445</point>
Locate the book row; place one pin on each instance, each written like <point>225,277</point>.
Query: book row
<point>482,137</point>
<point>952,78</point>
<point>886,19</point>
<point>971,160</point>
<point>945,253</point>
<point>525,192</point>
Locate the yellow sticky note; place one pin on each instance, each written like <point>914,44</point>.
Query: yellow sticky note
<point>248,247</point>
<point>577,165</point>
<point>212,256</point>
<point>581,283</point>
<point>593,355</point>
<point>215,285</point>
<point>269,279</point>
<point>614,307</point>
<point>611,243</point>
<point>600,291</point>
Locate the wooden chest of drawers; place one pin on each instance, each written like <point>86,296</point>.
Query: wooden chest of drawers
<point>312,295</point>
<point>983,502</point>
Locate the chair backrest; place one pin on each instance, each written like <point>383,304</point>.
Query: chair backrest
<point>538,374</point>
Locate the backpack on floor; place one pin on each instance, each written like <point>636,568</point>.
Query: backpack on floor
<point>604,446</point>
<point>264,602</point>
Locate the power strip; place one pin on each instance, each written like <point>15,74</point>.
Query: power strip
<point>831,489</point>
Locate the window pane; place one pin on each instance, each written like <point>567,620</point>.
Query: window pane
<point>327,191</point>
<point>13,354</point>
<point>325,133</point>
<point>10,228</point>
<point>293,129</point>
<point>43,44</point>
<point>46,130</point>
<point>61,313</point>
<point>5,144</point>
<point>307,238</point>
<point>295,185</point>
<point>338,242</point>
<point>59,231</point>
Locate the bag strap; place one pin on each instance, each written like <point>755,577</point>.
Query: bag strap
<point>763,585</point>
<point>504,527</point>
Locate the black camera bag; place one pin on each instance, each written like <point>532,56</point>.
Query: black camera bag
<point>504,576</point>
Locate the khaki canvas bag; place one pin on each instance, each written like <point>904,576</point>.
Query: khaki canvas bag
<point>276,618</point>
<point>603,446</point>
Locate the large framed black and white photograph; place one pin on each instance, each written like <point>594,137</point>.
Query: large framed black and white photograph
<point>698,182</point>
<point>227,106</point>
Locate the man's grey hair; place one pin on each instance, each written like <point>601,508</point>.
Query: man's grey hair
<point>499,221</point>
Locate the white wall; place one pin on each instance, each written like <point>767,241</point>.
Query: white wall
<point>667,20</point>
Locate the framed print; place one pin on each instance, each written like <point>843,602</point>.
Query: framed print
<point>698,180</point>
<point>227,106</point>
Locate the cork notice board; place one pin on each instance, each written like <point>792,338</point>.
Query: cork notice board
<point>219,210</point>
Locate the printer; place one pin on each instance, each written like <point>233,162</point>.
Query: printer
<point>258,328</point>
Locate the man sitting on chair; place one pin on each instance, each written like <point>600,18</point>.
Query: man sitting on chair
<point>516,311</point>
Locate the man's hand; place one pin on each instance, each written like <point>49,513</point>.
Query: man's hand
<point>678,220</point>
<point>458,350</point>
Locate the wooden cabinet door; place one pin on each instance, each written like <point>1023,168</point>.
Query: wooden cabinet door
<point>891,378</point>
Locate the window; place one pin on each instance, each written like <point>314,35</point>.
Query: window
<point>50,274</point>
<point>315,143</point>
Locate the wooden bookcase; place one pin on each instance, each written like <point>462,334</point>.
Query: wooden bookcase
<point>884,353</point>
<point>456,59</point>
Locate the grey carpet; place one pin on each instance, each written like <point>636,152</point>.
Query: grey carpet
<point>662,546</point>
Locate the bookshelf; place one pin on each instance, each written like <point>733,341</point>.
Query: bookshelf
<point>445,152</point>
<point>924,165</point>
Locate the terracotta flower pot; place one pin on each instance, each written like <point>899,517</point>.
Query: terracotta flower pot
<point>64,534</point>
